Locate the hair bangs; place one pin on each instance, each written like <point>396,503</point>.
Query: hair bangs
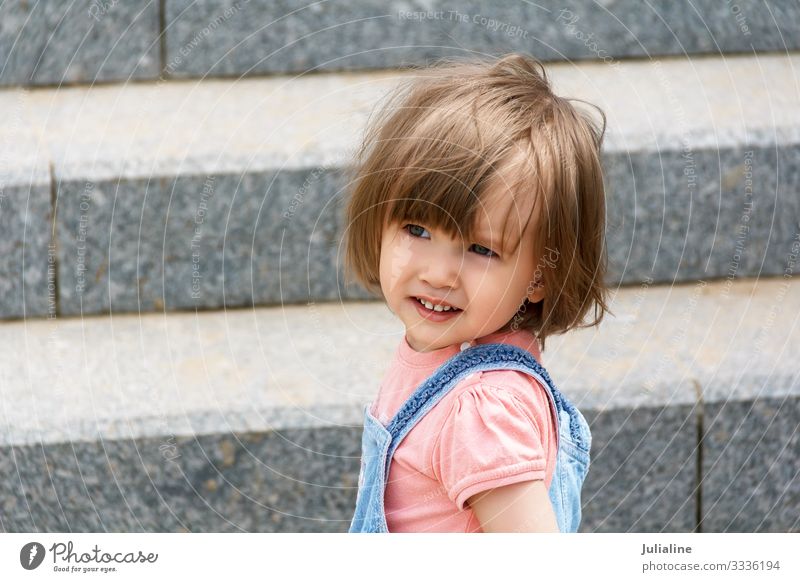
<point>437,201</point>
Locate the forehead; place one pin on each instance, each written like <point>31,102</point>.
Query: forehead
<point>503,211</point>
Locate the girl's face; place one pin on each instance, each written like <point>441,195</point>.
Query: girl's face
<point>478,277</point>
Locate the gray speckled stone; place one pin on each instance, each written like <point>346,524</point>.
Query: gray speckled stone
<point>293,480</point>
<point>197,241</point>
<point>263,36</point>
<point>751,466</point>
<point>52,43</point>
<point>27,265</point>
<point>643,472</point>
<point>734,215</point>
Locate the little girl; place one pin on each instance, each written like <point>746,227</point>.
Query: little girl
<point>478,214</point>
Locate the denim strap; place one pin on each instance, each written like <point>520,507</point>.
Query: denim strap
<point>477,358</point>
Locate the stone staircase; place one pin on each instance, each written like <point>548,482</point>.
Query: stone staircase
<point>179,350</point>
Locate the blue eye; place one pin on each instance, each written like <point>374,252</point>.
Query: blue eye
<point>416,231</point>
<point>410,228</point>
<point>490,254</point>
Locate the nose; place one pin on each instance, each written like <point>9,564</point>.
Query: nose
<point>441,267</point>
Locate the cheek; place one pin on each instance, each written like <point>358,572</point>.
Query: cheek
<point>396,259</point>
<point>494,285</point>
<point>385,269</point>
<point>481,277</point>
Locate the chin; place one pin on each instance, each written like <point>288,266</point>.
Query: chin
<point>434,344</point>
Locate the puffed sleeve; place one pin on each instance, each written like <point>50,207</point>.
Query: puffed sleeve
<point>488,440</point>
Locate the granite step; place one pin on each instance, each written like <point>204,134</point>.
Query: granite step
<point>91,41</point>
<point>250,419</point>
<point>214,193</point>
<point>374,34</point>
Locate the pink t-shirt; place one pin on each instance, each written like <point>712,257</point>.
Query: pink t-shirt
<point>494,428</point>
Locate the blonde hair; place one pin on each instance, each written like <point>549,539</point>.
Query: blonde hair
<point>431,153</point>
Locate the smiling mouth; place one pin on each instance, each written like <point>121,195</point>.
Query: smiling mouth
<point>433,308</point>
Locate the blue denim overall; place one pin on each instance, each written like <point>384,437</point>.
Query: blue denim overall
<point>379,443</point>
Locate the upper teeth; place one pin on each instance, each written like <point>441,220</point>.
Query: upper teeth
<point>430,305</point>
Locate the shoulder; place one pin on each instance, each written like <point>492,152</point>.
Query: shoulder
<point>493,395</point>
<point>519,385</point>
<point>499,397</point>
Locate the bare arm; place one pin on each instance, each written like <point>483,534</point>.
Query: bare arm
<point>520,507</point>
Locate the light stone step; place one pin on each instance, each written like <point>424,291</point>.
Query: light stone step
<point>203,194</point>
<point>250,419</point>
